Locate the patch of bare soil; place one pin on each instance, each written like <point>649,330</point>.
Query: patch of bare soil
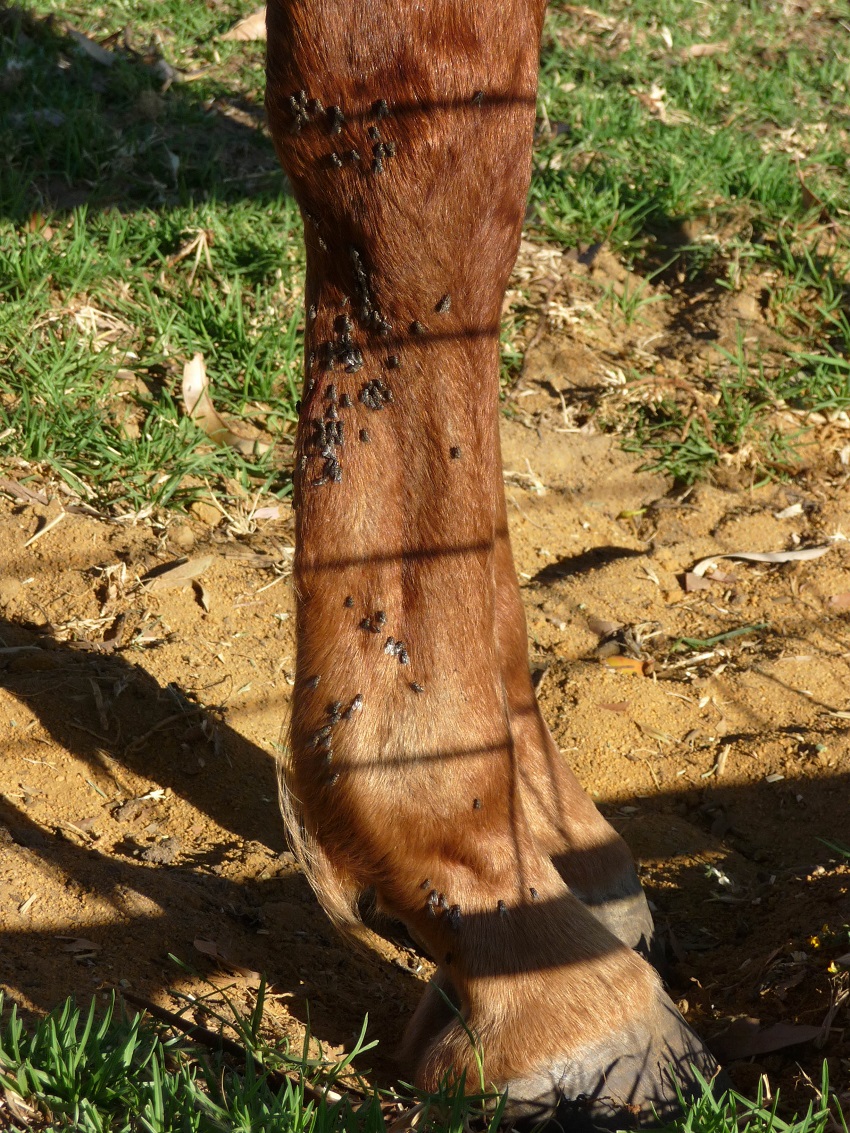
<point>138,816</point>
<point>600,340</point>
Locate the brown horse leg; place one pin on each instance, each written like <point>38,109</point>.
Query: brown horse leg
<point>420,767</point>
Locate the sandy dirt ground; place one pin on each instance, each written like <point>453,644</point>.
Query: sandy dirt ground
<point>140,844</point>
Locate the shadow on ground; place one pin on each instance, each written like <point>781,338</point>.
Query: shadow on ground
<point>245,894</point>
<point>119,129</point>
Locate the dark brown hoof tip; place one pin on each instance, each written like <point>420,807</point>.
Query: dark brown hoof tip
<point>603,1114</point>
<point>637,1080</point>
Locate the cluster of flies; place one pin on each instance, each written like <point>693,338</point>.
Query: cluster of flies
<point>322,739</point>
<point>436,904</point>
<point>374,623</point>
<point>304,111</point>
<point>328,432</point>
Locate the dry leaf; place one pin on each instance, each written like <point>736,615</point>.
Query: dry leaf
<point>789,512</point>
<point>92,49</point>
<point>79,945</point>
<point>250,28</point>
<point>764,557</point>
<point>654,101</point>
<point>721,577</point>
<point>208,947</point>
<point>19,1109</point>
<point>655,734</point>
<point>600,627</point>
<point>695,582</point>
<point>722,759</point>
<point>177,574</point>
<point>23,493</point>
<point>199,406</point>
<point>703,50</point>
<point>631,665</point>
<point>609,648</point>
<point>211,949</point>
<point>617,706</point>
<point>810,199</point>
<point>201,594</point>
<point>744,1038</point>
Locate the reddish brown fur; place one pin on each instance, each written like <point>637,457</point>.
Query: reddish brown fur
<point>446,781</point>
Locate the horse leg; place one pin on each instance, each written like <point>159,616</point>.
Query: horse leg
<point>420,767</point>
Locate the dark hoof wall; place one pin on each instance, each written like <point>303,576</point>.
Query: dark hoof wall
<point>606,1114</point>
<point>631,1082</point>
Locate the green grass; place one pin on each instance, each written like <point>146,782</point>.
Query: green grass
<point>113,1070</point>
<point>110,1070</point>
<point>63,397</point>
<point>110,175</point>
<point>623,169</point>
<point>155,171</point>
<point>642,134</point>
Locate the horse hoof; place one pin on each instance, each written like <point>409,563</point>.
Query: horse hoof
<point>633,1081</point>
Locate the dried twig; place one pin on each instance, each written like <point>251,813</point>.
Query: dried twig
<point>47,527</point>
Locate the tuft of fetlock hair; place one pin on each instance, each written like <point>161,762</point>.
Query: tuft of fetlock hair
<point>336,892</point>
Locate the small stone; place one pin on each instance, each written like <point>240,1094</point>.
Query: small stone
<point>182,536</point>
<point>206,513</point>
<point>162,853</point>
<point>10,590</point>
<point>745,306</point>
